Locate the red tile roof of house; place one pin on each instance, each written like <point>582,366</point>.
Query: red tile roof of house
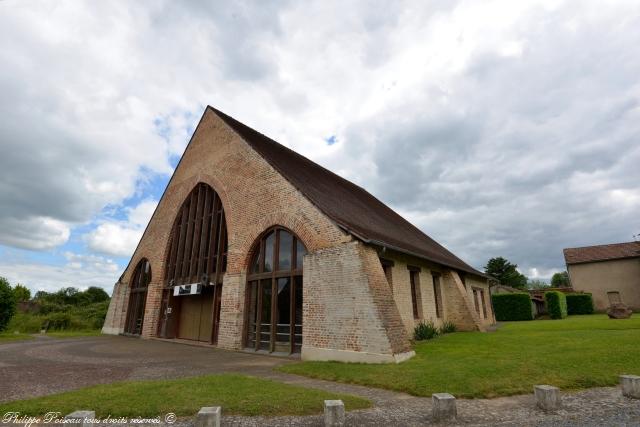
<point>350,206</point>
<point>601,252</point>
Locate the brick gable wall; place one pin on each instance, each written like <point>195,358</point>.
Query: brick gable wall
<point>255,196</point>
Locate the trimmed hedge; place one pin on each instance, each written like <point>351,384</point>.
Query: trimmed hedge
<point>515,306</point>
<point>579,304</point>
<point>556,304</point>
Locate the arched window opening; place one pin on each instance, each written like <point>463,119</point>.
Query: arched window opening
<point>274,293</point>
<point>196,261</point>
<point>198,250</point>
<point>137,297</point>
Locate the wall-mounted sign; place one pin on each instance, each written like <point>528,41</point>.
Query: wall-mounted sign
<point>181,290</point>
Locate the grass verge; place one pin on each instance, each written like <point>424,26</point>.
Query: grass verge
<point>573,353</point>
<point>11,337</point>
<point>237,394</point>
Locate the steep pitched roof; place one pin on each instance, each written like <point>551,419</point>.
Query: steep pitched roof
<point>601,252</point>
<point>348,205</point>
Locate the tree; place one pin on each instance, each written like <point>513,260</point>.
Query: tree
<point>7,303</point>
<point>506,273</point>
<point>21,293</point>
<point>560,280</point>
<point>95,294</point>
<point>537,284</point>
<point>41,295</point>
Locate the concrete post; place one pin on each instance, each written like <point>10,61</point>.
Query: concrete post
<point>334,413</point>
<point>209,416</point>
<point>547,397</point>
<point>86,418</point>
<point>630,386</point>
<point>444,407</point>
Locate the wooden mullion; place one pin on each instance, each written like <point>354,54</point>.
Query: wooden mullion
<point>202,267</point>
<point>171,267</point>
<point>258,326</point>
<point>197,238</point>
<point>221,238</point>
<point>213,242</point>
<point>274,320</point>
<point>189,239</point>
<point>294,253</point>
<point>276,252</point>
<point>261,255</point>
<point>179,255</point>
<point>292,313</point>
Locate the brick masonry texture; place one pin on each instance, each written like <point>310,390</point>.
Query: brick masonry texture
<point>457,303</point>
<point>348,303</point>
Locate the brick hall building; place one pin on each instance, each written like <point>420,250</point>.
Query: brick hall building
<point>254,247</point>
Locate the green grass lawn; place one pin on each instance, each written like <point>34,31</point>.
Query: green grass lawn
<point>573,353</point>
<point>237,394</point>
<point>11,337</point>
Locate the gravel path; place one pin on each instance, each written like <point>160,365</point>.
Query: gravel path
<point>45,366</point>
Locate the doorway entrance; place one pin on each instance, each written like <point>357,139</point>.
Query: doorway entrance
<point>192,317</point>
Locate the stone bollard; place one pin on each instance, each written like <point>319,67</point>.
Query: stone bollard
<point>444,407</point>
<point>209,416</point>
<point>547,397</point>
<point>334,413</point>
<point>630,386</point>
<point>85,416</point>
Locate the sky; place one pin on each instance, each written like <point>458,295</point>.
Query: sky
<point>499,128</point>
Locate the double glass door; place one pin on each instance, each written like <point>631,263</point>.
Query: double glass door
<point>275,315</point>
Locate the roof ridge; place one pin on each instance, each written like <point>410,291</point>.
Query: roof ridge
<point>349,205</point>
<point>603,245</point>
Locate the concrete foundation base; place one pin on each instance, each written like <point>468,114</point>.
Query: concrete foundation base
<point>334,413</point>
<point>209,416</point>
<point>547,397</point>
<point>630,386</point>
<point>444,407</point>
<point>326,354</point>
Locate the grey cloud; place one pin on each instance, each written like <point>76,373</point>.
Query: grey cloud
<point>529,165</point>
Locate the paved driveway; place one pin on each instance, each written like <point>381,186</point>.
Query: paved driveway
<point>47,365</point>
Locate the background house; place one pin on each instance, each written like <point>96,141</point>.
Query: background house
<point>610,272</point>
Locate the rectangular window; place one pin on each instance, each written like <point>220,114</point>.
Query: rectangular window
<point>437,296</point>
<point>614,297</point>
<point>484,304</point>
<point>475,300</point>
<point>414,278</point>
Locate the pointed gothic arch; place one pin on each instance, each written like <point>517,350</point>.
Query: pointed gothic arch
<point>195,263</point>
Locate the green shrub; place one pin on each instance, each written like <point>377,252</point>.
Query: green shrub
<point>26,323</point>
<point>7,303</point>
<point>514,306</point>
<point>556,304</point>
<point>579,303</point>
<point>425,331</point>
<point>447,327</point>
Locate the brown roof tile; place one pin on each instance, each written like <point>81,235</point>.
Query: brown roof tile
<point>601,252</point>
<point>349,205</point>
